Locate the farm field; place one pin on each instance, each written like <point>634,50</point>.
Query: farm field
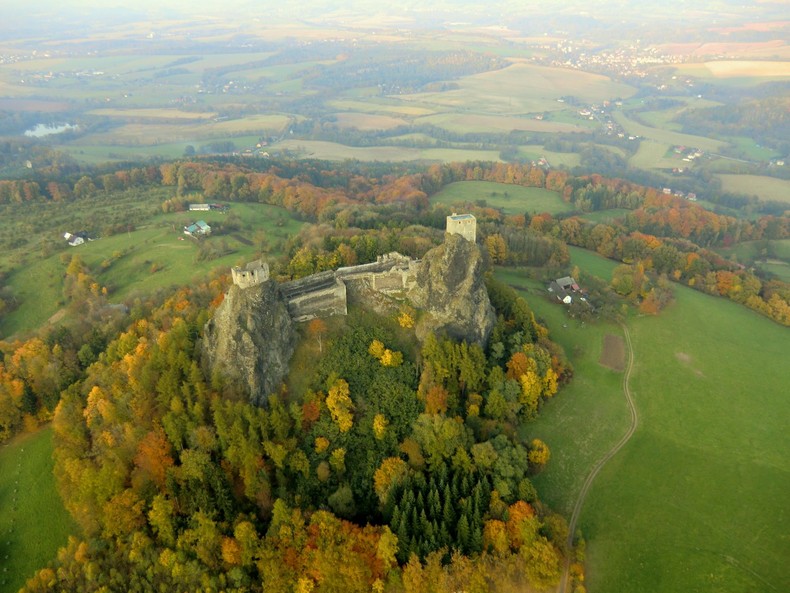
<point>379,107</point>
<point>523,88</point>
<point>333,151</point>
<point>740,71</point>
<point>765,188</point>
<point>667,137</point>
<point>512,199</point>
<point>33,522</point>
<point>662,515</point>
<point>481,123</point>
<point>652,155</point>
<point>164,245</point>
<point>595,393</point>
<point>754,250</point>
<point>152,134</point>
<point>154,256</point>
<point>555,159</point>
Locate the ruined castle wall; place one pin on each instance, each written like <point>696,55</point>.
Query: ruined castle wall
<point>322,301</point>
<point>327,293</point>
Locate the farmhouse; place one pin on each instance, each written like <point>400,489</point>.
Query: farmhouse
<point>200,228</point>
<point>462,224</point>
<point>207,207</point>
<point>564,288</point>
<point>76,238</point>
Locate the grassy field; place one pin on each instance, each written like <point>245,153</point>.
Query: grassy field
<point>752,150</point>
<point>379,107</point>
<point>523,88</point>
<point>555,159</point>
<point>156,255</point>
<point>338,152</point>
<point>512,199</point>
<point>33,522</point>
<point>697,500</point>
<point>595,393</point>
<point>368,121</point>
<point>770,256</point>
<point>758,71</point>
<point>481,123</point>
<point>766,188</point>
<point>667,137</point>
<point>652,155</point>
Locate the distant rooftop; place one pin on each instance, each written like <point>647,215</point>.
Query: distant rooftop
<point>460,216</point>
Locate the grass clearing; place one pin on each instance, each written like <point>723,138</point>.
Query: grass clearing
<point>666,136</point>
<point>33,522</point>
<point>758,69</point>
<point>162,246</point>
<point>595,394</point>
<point>556,159</point>
<point>153,114</point>
<point>652,155</point>
<point>155,255</point>
<point>152,134</point>
<point>765,188</point>
<point>523,88</point>
<point>752,150</point>
<point>474,123</point>
<point>368,121</point>
<point>373,107</point>
<point>333,151</point>
<point>511,199</point>
<point>697,500</point>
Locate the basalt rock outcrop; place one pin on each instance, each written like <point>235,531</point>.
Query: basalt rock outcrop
<point>250,339</point>
<point>451,292</point>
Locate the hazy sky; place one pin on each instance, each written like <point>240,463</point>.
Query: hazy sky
<point>39,18</point>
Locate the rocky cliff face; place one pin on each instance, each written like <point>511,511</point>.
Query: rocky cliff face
<point>451,291</point>
<point>250,339</point>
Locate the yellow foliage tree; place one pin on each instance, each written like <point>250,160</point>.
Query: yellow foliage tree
<point>531,388</point>
<point>406,320</point>
<point>380,424</point>
<point>550,383</point>
<point>391,358</point>
<point>321,444</point>
<point>337,460</point>
<point>376,349</point>
<point>539,453</point>
<point>340,405</point>
<point>391,472</point>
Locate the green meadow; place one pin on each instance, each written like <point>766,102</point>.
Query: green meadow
<point>33,522</point>
<point>762,186</point>
<point>512,199</point>
<point>664,136</point>
<point>157,254</point>
<point>697,499</point>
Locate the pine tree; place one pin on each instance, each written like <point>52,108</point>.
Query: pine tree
<point>403,541</point>
<point>395,519</point>
<point>476,540</point>
<point>463,535</point>
<point>448,515</point>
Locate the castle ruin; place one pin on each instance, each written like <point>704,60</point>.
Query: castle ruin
<point>462,224</point>
<point>255,272</point>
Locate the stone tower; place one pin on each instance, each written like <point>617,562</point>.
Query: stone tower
<point>462,224</point>
<point>251,274</point>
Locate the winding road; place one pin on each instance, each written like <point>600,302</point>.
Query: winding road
<point>609,454</point>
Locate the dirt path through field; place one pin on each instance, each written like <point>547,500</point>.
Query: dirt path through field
<point>609,454</point>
